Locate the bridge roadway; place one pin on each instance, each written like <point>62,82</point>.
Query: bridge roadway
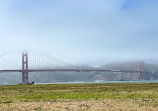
<point>70,70</point>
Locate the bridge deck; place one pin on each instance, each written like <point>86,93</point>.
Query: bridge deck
<point>70,70</point>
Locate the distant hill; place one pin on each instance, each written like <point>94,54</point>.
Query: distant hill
<point>49,77</point>
<point>133,66</point>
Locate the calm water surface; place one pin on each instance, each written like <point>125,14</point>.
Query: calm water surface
<point>153,81</point>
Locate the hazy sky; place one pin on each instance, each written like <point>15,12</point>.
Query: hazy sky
<point>81,31</point>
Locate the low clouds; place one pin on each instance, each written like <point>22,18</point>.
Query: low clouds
<point>82,31</point>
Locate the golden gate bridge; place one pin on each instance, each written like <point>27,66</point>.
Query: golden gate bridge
<point>54,64</point>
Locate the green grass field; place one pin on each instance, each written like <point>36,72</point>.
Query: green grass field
<point>80,97</point>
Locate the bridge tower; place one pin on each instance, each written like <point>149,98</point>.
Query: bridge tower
<point>142,72</point>
<point>25,68</point>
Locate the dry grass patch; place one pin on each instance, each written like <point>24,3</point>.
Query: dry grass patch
<point>89,105</point>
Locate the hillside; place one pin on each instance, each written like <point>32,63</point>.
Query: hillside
<point>54,77</point>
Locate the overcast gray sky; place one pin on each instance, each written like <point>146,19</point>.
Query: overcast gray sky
<point>93,32</point>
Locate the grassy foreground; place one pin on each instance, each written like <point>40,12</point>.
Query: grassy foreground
<point>82,97</point>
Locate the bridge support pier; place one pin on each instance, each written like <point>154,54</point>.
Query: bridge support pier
<point>25,68</point>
